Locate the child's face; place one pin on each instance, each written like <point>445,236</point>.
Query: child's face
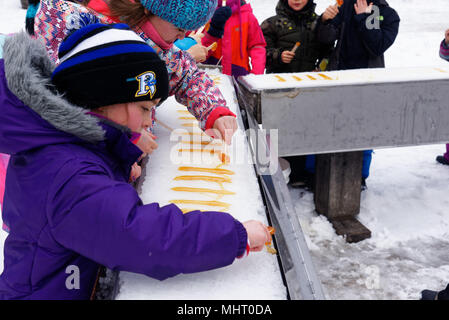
<point>134,115</point>
<point>297,5</point>
<point>167,31</point>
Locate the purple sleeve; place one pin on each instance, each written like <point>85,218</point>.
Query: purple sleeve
<point>105,220</point>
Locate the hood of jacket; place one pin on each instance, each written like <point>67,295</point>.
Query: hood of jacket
<point>32,113</point>
<point>282,8</point>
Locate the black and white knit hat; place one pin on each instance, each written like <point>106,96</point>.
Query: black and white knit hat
<point>102,65</point>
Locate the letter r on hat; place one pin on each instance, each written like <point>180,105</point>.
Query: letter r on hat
<point>147,84</point>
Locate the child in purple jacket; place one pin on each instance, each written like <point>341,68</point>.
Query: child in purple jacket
<point>68,202</point>
<point>444,54</point>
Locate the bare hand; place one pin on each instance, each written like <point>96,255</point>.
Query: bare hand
<point>197,37</point>
<point>446,38</point>
<point>136,171</point>
<point>287,56</point>
<point>362,7</point>
<point>198,52</point>
<point>223,128</point>
<point>258,234</point>
<point>146,142</point>
<point>330,13</point>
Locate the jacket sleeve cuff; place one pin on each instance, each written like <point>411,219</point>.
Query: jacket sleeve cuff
<point>360,18</point>
<point>218,112</point>
<point>243,249</point>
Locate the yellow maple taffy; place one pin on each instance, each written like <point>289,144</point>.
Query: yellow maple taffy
<point>188,125</point>
<point>209,170</point>
<point>324,76</point>
<point>280,79</point>
<point>183,111</point>
<point>203,190</point>
<point>194,134</point>
<point>203,143</point>
<point>186,118</point>
<point>203,178</point>
<point>268,245</point>
<point>224,158</point>
<point>209,203</point>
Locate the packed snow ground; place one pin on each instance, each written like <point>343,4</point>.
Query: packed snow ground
<point>406,204</point>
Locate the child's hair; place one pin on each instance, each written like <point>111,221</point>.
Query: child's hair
<point>130,12</point>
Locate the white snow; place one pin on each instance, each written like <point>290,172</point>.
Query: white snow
<point>405,206</point>
<point>254,277</point>
<point>345,77</point>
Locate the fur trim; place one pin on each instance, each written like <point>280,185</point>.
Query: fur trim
<point>28,70</point>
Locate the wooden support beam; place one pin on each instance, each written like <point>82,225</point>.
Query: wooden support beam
<point>337,192</point>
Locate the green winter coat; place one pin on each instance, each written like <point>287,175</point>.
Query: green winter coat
<point>287,27</point>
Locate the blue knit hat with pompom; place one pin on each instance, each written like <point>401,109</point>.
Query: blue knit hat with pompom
<point>185,14</point>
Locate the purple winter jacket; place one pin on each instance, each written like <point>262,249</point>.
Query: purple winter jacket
<point>67,199</point>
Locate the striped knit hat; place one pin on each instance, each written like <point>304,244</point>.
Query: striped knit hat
<point>185,14</point>
<point>102,65</point>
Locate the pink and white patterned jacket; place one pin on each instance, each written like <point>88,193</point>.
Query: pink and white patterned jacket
<point>190,86</point>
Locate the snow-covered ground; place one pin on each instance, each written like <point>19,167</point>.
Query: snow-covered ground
<point>406,204</point>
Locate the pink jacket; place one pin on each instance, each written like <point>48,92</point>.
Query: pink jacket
<point>242,39</point>
<point>191,86</point>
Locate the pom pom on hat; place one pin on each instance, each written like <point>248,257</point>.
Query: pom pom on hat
<point>185,14</point>
<point>102,65</point>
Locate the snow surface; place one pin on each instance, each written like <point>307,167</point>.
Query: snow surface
<point>344,77</point>
<point>406,203</point>
<point>254,277</point>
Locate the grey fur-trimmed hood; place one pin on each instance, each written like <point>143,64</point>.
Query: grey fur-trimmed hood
<point>28,70</point>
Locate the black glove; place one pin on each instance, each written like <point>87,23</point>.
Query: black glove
<point>217,23</point>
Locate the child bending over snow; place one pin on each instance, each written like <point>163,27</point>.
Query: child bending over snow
<point>68,202</point>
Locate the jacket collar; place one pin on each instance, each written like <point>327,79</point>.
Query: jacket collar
<point>28,70</point>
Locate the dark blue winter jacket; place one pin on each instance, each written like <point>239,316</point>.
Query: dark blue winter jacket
<point>362,38</point>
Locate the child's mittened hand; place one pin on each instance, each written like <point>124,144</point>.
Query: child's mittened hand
<point>258,234</point>
<point>330,13</point>
<point>218,21</point>
<point>287,56</point>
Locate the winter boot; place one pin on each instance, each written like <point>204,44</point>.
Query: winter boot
<point>442,160</point>
<point>429,295</point>
<point>435,295</point>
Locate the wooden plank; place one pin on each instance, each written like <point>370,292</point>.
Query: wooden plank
<point>351,229</point>
<point>338,183</point>
<point>337,192</point>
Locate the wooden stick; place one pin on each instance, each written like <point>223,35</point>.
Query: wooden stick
<point>297,44</point>
<point>200,30</point>
<point>164,125</point>
<point>213,46</point>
